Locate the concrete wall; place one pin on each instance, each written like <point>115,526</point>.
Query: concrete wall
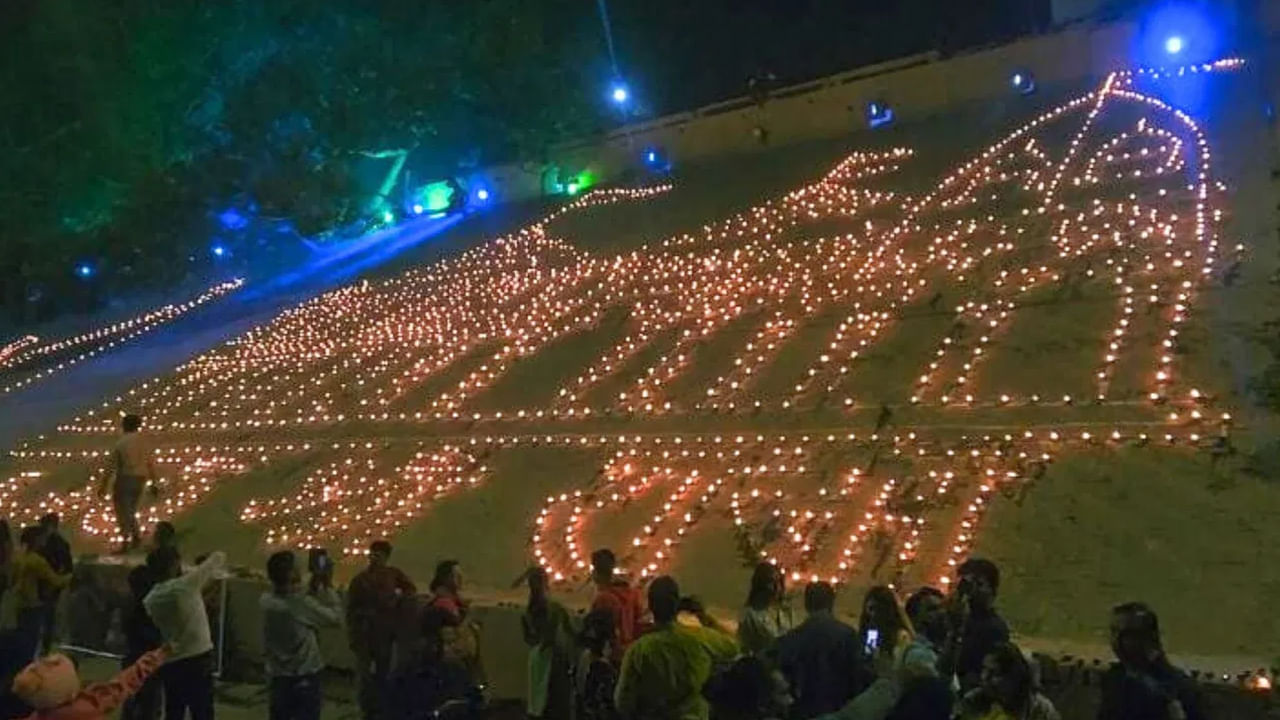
<point>915,87</point>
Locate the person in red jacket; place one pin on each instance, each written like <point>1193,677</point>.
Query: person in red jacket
<point>51,687</point>
<point>616,596</point>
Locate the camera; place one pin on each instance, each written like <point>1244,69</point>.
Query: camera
<point>319,562</point>
<point>872,642</point>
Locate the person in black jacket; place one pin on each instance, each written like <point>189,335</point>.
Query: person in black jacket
<point>1143,685</point>
<point>141,636</point>
<point>57,553</point>
<point>820,657</point>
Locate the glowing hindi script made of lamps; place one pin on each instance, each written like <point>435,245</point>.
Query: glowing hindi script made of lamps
<point>387,389</point>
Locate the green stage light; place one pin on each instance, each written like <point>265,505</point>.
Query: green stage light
<point>436,196</point>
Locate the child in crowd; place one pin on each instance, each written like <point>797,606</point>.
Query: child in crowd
<point>596,675</point>
<point>51,686</point>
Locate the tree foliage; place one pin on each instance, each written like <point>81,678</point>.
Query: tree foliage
<point>124,126</point>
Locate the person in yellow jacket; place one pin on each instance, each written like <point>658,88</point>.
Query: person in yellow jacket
<point>22,608</point>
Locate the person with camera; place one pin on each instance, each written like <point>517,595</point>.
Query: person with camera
<point>291,621</point>
<point>884,635</point>
<point>664,671</point>
<point>977,627</point>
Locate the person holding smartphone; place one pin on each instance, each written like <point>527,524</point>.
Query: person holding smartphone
<point>291,621</point>
<point>884,634</point>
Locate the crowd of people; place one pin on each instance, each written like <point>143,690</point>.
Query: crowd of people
<point>651,653</point>
<point>932,655</point>
<point>644,654</point>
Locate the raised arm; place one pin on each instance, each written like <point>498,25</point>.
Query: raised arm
<point>99,700</point>
<point>321,609</point>
<point>205,571</point>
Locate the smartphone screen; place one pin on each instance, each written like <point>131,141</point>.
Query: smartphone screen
<point>873,641</point>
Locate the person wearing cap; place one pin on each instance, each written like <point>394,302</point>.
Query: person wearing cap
<point>51,687</point>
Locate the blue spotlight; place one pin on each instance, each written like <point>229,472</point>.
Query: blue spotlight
<point>218,250</point>
<point>1023,82</point>
<point>879,114</point>
<point>232,219</point>
<point>417,208</point>
<point>1181,32</point>
<point>620,94</point>
<point>651,157</point>
<point>482,195</point>
<point>84,270</point>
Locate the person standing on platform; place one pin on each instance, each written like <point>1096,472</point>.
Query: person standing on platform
<point>133,466</point>
<point>373,601</point>
<point>176,605</point>
<point>291,621</point>
<point>616,596</point>
<point>57,553</point>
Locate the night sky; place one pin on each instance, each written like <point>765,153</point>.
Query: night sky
<point>680,54</point>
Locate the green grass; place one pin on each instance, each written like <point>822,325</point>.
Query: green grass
<point>1053,346</point>
<point>886,371</point>
<point>533,381</point>
<point>1162,526</point>
<point>712,357</point>
<point>798,353</point>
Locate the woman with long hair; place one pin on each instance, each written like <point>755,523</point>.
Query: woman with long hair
<point>884,630</point>
<point>452,637</point>
<point>1007,691</point>
<point>765,617</point>
<point>548,632</point>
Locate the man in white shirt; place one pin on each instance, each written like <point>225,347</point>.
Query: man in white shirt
<point>132,466</point>
<point>176,606</point>
<point>291,620</point>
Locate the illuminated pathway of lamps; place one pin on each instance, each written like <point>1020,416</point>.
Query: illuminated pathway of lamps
<point>393,382</point>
